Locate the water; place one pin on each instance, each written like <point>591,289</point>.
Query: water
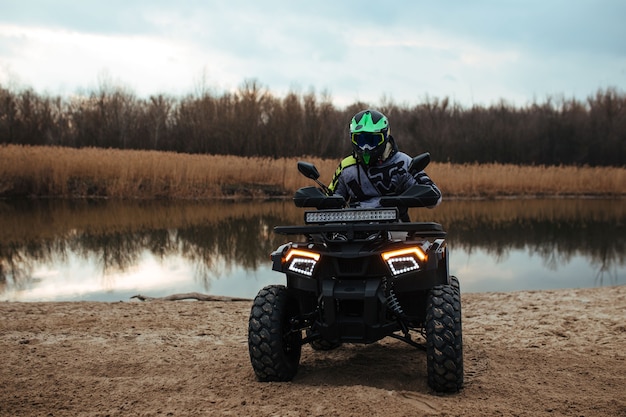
<point>110,250</point>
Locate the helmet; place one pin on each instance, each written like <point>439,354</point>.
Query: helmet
<point>369,135</point>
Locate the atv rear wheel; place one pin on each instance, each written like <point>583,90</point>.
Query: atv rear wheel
<point>274,346</point>
<point>444,340</point>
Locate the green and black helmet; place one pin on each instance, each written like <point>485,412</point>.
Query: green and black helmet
<point>369,134</point>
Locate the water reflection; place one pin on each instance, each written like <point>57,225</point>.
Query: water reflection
<point>543,239</point>
<point>110,250</point>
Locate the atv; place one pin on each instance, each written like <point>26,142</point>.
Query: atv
<point>357,276</point>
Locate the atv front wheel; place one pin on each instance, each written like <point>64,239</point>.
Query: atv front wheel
<point>274,346</point>
<point>444,340</point>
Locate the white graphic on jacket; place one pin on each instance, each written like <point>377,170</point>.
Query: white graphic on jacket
<point>363,187</point>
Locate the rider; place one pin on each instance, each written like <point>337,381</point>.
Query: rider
<point>376,167</point>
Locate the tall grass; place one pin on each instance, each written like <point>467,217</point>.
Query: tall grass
<point>490,180</point>
<point>42,171</point>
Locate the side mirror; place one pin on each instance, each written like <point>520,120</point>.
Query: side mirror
<point>308,170</point>
<point>418,163</point>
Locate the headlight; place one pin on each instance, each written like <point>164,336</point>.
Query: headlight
<point>404,260</point>
<point>351,215</point>
<point>301,261</point>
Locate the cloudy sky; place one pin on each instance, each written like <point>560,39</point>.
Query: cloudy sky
<point>473,52</point>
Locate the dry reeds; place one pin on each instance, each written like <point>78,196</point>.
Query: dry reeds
<point>41,171</point>
<point>491,180</point>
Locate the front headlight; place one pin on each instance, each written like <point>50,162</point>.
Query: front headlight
<point>301,261</point>
<point>351,216</point>
<point>404,260</point>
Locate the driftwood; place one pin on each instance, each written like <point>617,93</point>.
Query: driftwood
<point>189,296</point>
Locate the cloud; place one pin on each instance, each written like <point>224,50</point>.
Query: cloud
<point>75,58</point>
<point>475,53</point>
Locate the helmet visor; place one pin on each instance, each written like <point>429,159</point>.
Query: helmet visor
<point>368,140</point>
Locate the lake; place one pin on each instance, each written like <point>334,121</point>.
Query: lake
<point>102,250</point>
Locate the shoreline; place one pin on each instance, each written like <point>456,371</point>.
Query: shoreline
<point>250,197</point>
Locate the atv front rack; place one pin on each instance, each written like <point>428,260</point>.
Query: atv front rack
<point>421,229</point>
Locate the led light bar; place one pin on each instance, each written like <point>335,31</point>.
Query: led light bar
<point>351,216</point>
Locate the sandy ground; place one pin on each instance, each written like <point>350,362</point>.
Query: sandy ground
<point>553,353</point>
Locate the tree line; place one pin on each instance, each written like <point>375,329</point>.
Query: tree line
<point>252,121</point>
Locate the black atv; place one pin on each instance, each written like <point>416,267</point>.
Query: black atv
<point>360,275</point>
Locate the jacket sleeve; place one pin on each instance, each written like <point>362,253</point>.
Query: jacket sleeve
<point>337,185</point>
<point>423,178</point>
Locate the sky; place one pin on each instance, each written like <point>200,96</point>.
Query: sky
<point>475,52</point>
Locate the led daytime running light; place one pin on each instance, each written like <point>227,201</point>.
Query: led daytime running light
<point>414,250</point>
<point>304,253</point>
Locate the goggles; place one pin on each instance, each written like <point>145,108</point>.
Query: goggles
<point>368,140</point>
